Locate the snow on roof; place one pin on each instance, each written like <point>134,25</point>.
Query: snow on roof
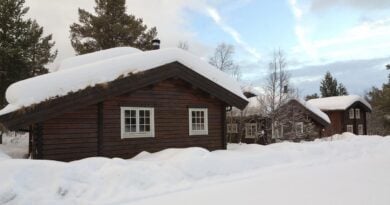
<point>338,102</point>
<point>87,72</point>
<point>94,57</point>
<point>314,110</point>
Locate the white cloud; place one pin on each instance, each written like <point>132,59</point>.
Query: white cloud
<point>213,13</point>
<point>358,4</point>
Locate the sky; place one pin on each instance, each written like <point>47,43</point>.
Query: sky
<point>349,38</point>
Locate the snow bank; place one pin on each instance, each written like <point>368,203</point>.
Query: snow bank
<point>338,102</point>
<point>117,181</point>
<point>15,145</point>
<point>38,89</point>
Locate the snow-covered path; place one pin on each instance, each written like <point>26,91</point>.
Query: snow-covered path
<point>357,182</point>
<point>347,170</point>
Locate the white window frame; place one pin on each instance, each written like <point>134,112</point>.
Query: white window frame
<point>137,134</point>
<point>299,127</point>
<point>350,128</point>
<point>351,113</point>
<point>360,129</point>
<point>249,126</point>
<point>357,113</point>
<point>232,128</point>
<point>205,131</point>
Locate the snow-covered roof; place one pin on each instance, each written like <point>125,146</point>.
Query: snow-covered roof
<point>338,102</point>
<point>87,70</point>
<point>314,110</point>
<point>97,56</point>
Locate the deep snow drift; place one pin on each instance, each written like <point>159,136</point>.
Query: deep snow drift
<point>345,169</point>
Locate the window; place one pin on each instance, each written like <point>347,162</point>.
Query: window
<point>350,128</point>
<point>357,113</point>
<point>360,129</point>
<point>137,122</point>
<point>351,113</point>
<point>250,130</point>
<point>232,128</point>
<point>198,121</point>
<point>299,127</point>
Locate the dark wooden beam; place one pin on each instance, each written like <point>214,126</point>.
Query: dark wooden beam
<point>224,127</point>
<point>100,125</point>
<point>37,141</point>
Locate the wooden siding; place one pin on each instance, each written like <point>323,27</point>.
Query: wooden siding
<point>71,136</point>
<point>340,120</point>
<point>76,134</point>
<point>171,100</point>
<point>336,122</point>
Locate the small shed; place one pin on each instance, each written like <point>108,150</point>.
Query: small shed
<point>121,101</point>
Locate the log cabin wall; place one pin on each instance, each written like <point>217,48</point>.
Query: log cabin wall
<point>336,122</point>
<point>171,99</point>
<point>76,135</point>
<point>355,122</point>
<point>71,136</point>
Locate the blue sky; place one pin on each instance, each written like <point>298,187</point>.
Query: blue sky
<point>350,38</point>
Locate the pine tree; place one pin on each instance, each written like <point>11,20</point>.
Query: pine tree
<point>24,52</point>
<point>110,27</point>
<point>342,90</point>
<point>379,121</point>
<point>312,96</point>
<point>330,87</point>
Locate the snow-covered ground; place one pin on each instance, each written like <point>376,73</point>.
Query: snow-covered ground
<point>346,169</point>
<point>15,145</point>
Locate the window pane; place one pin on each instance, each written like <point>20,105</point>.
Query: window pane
<point>193,120</point>
<point>147,121</point>
<point>201,114</point>
<point>127,128</point>
<point>147,128</point>
<point>133,114</point>
<point>127,121</point>
<point>141,113</point>
<point>133,121</point>
<point>141,128</point>
<point>141,121</point>
<point>147,113</point>
<point>193,114</point>
<point>127,113</point>
<point>193,126</point>
<point>133,128</point>
<point>202,127</point>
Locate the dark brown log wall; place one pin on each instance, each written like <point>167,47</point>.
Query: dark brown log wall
<point>171,100</point>
<point>355,122</point>
<point>76,135</point>
<point>71,136</point>
<point>336,122</point>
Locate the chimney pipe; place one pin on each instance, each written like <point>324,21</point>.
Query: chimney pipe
<point>156,44</point>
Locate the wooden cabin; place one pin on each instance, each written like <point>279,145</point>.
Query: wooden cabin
<point>158,99</point>
<point>299,121</point>
<point>248,125</point>
<point>347,113</point>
